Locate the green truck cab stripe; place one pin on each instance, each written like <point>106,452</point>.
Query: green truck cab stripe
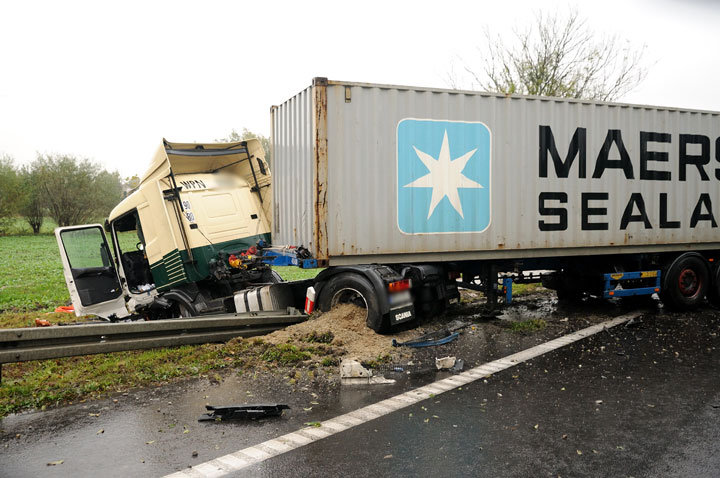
<point>175,268</point>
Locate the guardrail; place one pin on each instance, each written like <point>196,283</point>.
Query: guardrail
<point>21,345</point>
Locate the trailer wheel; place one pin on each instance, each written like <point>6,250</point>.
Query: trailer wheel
<point>353,289</point>
<point>686,283</point>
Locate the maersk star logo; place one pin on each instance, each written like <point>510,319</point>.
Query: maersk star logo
<point>443,176</point>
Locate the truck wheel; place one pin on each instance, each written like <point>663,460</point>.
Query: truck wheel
<point>181,310</point>
<point>353,289</point>
<point>686,283</point>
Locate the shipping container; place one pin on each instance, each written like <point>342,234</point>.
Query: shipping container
<point>367,173</point>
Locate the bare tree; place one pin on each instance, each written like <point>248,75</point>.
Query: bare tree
<point>558,57</point>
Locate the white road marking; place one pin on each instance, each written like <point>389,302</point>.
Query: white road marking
<point>291,441</point>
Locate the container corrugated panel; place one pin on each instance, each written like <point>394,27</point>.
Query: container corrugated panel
<point>293,166</point>
<point>421,174</point>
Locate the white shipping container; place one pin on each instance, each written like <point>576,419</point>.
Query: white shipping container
<point>366,173</point>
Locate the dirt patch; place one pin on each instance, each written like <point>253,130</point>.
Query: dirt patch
<point>350,335</point>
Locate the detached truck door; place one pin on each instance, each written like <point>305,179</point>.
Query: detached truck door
<point>89,271</point>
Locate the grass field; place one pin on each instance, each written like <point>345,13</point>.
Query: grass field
<point>31,277</point>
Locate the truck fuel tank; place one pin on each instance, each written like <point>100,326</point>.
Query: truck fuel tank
<point>267,297</point>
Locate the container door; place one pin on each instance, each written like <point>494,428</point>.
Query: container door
<point>89,271</point>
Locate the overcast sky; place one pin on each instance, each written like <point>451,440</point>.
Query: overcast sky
<point>109,81</point>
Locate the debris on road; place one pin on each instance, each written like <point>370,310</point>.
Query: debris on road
<point>445,363</point>
<point>353,373</point>
<point>429,340</point>
<point>348,334</point>
<point>55,463</point>
<point>353,369</point>
<point>459,364</point>
<point>235,412</point>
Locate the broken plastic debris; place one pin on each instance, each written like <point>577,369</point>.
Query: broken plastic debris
<point>445,363</point>
<point>353,373</point>
<point>353,369</point>
<point>243,412</point>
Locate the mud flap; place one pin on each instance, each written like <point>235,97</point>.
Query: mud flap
<point>402,314</point>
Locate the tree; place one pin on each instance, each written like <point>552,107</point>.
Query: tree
<point>130,184</point>
<point>10,192</point>
<point>32,205</point>
<point>75,190</point>
<point>558,57</point>
<point>234,136</point>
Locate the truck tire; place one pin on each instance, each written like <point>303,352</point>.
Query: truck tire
<point>181,309</point>
<point>686,283</point>
<point>353,289</point>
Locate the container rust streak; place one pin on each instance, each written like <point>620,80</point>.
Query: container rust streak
<point>321,166</point>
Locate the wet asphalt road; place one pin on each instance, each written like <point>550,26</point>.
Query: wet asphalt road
<point>636,401</point>
<point>642,400</point>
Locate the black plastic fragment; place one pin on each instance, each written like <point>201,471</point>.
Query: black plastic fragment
<point>243,412</point>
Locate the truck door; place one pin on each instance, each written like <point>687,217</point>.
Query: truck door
<point>89,271</point>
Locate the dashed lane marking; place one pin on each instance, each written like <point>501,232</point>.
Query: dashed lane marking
<point>253,455</point>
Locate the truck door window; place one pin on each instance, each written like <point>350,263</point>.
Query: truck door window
<point>85,248</point>
<point>131,244</point>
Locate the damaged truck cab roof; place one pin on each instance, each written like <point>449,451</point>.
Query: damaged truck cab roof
<point>197,199</point>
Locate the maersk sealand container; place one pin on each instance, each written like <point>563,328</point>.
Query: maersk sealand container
<point>367,173</point>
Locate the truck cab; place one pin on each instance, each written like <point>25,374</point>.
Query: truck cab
<point>172,239</point>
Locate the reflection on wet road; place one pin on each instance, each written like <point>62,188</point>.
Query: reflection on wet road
<point>641,400</point>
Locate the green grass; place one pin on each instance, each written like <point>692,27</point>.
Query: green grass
<point>292,273</point>
<point>526,289</point>
<point>528,326</point>
<point>39,384</point>
<point>31,276</point>
<point>285,354</point>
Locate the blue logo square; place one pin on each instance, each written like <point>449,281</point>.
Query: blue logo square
<point>443,174</point>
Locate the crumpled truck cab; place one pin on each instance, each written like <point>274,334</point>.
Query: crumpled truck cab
<point>179,241</point>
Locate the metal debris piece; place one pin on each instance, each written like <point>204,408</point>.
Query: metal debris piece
<point>243,412</point>
<point>459,364</point>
